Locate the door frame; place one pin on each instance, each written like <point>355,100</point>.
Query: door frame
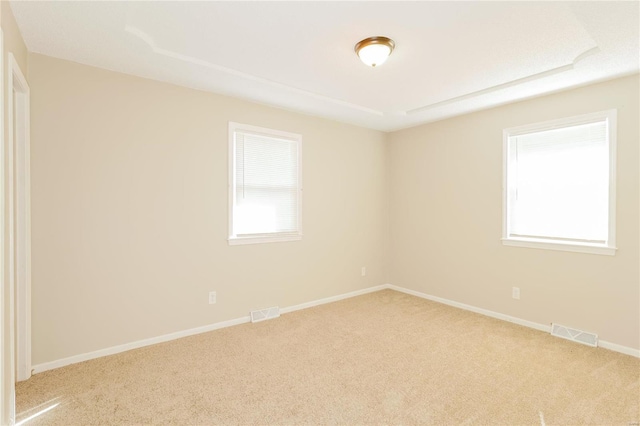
<point>19,197</point>
<point>7,407</point>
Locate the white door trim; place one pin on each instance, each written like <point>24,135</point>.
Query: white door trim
<point>19,218</point>
<point>7,408</point>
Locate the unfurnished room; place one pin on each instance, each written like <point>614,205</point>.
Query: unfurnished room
<point>320,213</point>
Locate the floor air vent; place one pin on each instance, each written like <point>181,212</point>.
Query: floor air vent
<point>572,334</point>
<point>265,314</point>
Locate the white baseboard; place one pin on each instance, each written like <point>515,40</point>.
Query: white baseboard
<point>333,299</point>
<point>546,328</point>
<point>619,348</point>
<point>39,368</point>
<point>492,314</point>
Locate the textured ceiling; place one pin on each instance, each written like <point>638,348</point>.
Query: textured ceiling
<point>450,57</point>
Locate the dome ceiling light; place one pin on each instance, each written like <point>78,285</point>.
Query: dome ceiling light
<point>373,51</point>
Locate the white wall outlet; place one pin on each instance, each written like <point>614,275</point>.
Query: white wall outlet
<point>363,271</point>
<point>212,297</point>
<point>515,292</point>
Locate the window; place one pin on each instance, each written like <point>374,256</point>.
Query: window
<point>265,190</point>
<point>559,184</point>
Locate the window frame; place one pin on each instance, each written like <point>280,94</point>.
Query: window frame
<point>269,237</point>
<point>608,248</point>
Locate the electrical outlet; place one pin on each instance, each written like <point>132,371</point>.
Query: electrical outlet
<point>364,271</point>
<point>212,297</point>
<point>515,292</point>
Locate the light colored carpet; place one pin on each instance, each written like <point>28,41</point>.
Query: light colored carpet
<point>381,358</point>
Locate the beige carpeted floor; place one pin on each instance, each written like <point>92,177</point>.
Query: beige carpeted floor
<point>381,358</point>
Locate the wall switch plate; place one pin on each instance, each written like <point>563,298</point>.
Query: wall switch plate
<point>212,297</point>
<point>363,271</point>
<point>515,292</point>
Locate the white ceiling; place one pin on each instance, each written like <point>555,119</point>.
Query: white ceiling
<point>450,58</point>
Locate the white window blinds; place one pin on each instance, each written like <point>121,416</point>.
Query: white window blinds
<point>558,183</point>
<point>266,190</point>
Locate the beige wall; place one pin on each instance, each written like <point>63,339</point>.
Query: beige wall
<point>129,214</point>
<point>13,43</point>
<point>129,210</point>
<point>446,219</point>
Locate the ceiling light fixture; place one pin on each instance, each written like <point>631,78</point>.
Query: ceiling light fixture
<point>373,51</point>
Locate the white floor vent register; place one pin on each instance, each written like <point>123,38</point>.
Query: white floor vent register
<point>574,335</point>
<point>265,314</point>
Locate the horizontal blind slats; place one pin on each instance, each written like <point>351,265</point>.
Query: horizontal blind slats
<point>266,185</point>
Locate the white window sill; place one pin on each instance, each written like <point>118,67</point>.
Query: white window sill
<point>263,239</point>
<point>562,246</point>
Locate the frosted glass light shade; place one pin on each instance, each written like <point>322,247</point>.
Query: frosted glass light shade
<point>374,51</point>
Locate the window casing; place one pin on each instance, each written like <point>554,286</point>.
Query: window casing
<point>265,185</point>
<point>559,184</point>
